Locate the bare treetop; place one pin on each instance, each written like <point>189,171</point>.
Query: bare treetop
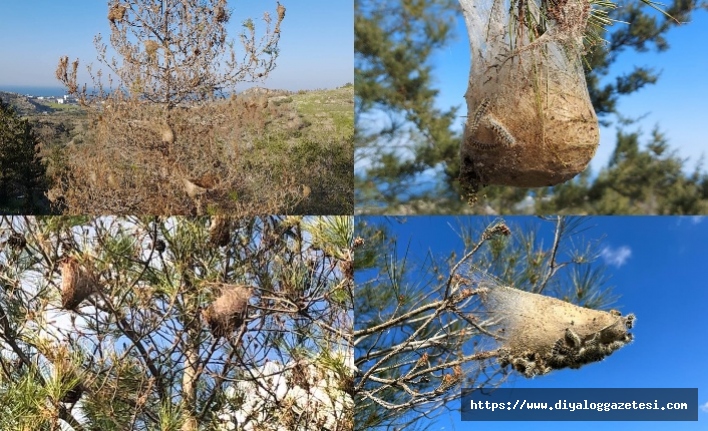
<point>172,51</point>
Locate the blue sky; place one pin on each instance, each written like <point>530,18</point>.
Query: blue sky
<point>316,42</point>
<point>656,265</point>
<point>677,103</point>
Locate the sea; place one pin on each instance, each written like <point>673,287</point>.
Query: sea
<point>33,90</point>
<point>26,90</point>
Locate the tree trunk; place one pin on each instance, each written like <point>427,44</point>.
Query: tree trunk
<point>189,389</point>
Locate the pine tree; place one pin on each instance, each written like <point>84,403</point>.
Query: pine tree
<point>639,179</point>
<point>420,332</point>
<point>22,173</point>
<point>145,323</point>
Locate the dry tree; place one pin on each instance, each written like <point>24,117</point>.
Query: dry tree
<point>168,125</point>
<point>187,39</point>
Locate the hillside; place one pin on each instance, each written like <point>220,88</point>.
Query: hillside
<point>23,105</point>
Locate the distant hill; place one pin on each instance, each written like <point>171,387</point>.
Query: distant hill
<point>261,91</point>
<point>23,105</point>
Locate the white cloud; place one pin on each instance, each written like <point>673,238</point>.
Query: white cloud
<point>690,220</point>
<point>704,407</point>
<point>616,256</point>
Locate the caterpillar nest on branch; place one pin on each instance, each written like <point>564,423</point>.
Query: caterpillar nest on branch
<point>229,310</point>
<point>542,333</point>
<point>531,122</point>
<point>116,13</point>
<point>151,48</point>
<point>281,11</point>
<point>220,14</point>
<point>77,284</point>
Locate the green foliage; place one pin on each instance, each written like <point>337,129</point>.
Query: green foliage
<point>393,76</point>
<point>639,179</point>
<point>22,174</point>
<point>20,404</point>
<point>395,40</point>
<point>333,235</point>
